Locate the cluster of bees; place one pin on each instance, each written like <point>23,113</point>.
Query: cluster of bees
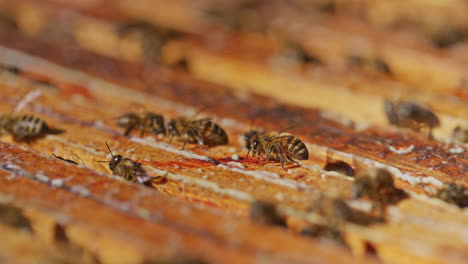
<point>375,184</point>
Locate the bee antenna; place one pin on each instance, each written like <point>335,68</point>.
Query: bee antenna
<point>103,161</point>
<point>110,151</point>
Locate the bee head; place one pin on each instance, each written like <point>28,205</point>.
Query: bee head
<point>251,139</point>
<point>114,161</point>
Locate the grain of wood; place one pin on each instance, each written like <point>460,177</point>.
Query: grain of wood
<point>88,75</point>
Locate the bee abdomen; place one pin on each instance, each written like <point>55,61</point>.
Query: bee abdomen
<point>297,148</point>
<point>213,133</point>
<point>28,125</point>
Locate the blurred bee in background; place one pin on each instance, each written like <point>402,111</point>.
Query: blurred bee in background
<point>25,127</point>
<point>411,115</point>
<point>265,213</point>
<point>460,134</point>
<point>191,130</point>
<point>152,38</point>
<point>336,213</point>
<point>278,146</point>
<point>126,168</point>
<point>145,122</point>
<point>454,194</point>
<point>379,187</point>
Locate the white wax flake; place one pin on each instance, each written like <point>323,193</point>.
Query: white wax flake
<point>235,157</point>
<point>80,190</point>
<point>456,150</point>
<point>279,196</point>
<point>236,164</point>
<point>57,182</point>
<point>323,176</point>
<point>401,150</point>
<point>12,167</point>
<point>42,177</point>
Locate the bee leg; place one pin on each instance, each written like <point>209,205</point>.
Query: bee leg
<point>185,139</point>
<point>280,155</point>
<point>142,130</point>
<point>269,153</point>
<point>128,130</point>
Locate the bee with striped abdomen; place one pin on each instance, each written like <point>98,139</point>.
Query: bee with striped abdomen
<point>278,146</point>
<point>25,127</point>
<point>411,115</point>
<point>145,122</point>
<point>203,131</point>
<point>126,168</point>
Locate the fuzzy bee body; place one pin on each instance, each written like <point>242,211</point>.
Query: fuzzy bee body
<point>265,213</point>
<point>23,126</point>
<point>145,122</point>
<point>411,115</point>
<point>454,194</point>
<point>460,134</point>
<point>379,187</point>
<point>202,131</point>
<point>278,146</point>
<point>126,168</point>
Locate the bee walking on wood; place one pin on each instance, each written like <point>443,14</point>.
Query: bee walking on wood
<point>278,146</point>
<point>411,115</point>
<point>126,168</point>
<point>202,131</point>
<point>25,127</point>
<point>265,213</point>
<point>378,185</point>
<point>460,134</point>
<point>454,194</point>
<point>145,122</point>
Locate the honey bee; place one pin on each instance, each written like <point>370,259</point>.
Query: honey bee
<point>152,38</point>
<point>265,213</point>
<point>335,213</point>
<point>454,194</point>
<point>25,127</point>
<point>460,134</point>
<point>126,168</point>
<point>145,122</point>
<point>379,187</point>
<point>13,216</point>
<point>204,131</point>
<point>411,115</point>
<point>278,146</point>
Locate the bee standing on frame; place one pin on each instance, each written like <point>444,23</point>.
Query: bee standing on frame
<point>202,131</point>
<point>25,127</point>
<point>378,185</point>
<point>125,167</point>
<point>278,146</point>
<point>411,115</point>
<point>460,133</point>
<point>145,122</point>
